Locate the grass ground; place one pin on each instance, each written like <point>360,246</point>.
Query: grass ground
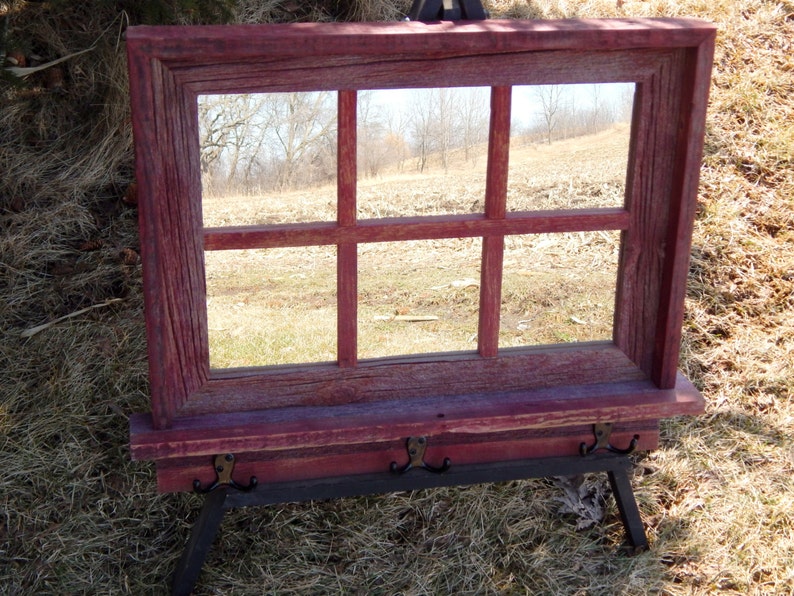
<point>79,517</point>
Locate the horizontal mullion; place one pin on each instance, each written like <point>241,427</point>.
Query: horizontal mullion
<point>414,228</point>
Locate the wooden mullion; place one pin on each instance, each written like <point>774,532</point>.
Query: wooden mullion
<point>495,208</point>
<point>347,258</point>
<point>415,228</point>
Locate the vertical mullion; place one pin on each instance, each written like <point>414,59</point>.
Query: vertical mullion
<point>346,265</point>
<point>495,208</point>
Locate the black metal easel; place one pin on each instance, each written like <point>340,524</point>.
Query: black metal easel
<point>226,496</point>
<point>447,10</point>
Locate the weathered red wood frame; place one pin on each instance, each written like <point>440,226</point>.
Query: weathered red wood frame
<point>350,416</point>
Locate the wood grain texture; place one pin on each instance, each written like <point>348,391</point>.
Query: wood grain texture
<point>694,90</point>
<point>409,71</point>
<point>493,247</point>
<point>406,377</point>
<point>648,190</point>
<point>171,249</point>
<point>347,253</point>
<point>188,46</point>
<point>321,427</point>
<point>661,196</point>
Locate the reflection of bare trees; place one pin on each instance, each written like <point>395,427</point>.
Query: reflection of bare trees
<point>276,141</point>
<point>305,126</point>
<point>444,120</point>
<point>226,124</point>
<point>567,111</point>
<point>550,98</point>
<point>287,140</point>
<point>381,136</point>
<point>267,141</point>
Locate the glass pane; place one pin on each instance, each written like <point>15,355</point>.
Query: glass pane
<point>418,297</point>
<point>273,306</point>
<point>558,288</point>
<point>569,146</point>
<point>268,158</point>
<point>422,151</point>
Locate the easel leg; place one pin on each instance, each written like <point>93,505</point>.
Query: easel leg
<point>627,505</point>
<point>203,534</point>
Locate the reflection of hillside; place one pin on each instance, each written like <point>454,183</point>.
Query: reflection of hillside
<point>580,172</point>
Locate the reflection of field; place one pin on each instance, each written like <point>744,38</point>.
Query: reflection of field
<point>279,306</point>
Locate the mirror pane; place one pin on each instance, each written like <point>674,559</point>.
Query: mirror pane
<point>558,288</point>
<point>422,151</point>
<point>271,306</point>
<point>418,297</point>
<point>569,146</point>
<point>268,158</point>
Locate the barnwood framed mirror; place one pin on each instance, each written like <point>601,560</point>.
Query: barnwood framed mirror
<point>347,412</point>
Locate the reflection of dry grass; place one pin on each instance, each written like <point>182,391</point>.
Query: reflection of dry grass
<point>558,288</point>
<point>279,306</point>
<point>79,517</point>
<point>575,173</point>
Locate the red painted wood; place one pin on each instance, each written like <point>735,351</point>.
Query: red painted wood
<point>498,153</point>
<point>347,305</point>
<point>661,195</point>
<point>177,474</point>
<point>647,200</point>
<point>347,174</point>
<point>171,250</point>
<point>347,253</point>
<point>189,46</point>
<point>691,125</point>
<point>493,248</point>
<point>401,71</point>
<point>321,427</point>
<point>415,228</point>
<point>495,200</point>
<point>385,379</point>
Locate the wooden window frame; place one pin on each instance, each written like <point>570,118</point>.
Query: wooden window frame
<point>359,406</point>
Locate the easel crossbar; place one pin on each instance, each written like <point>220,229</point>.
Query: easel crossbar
<point>224,497</point>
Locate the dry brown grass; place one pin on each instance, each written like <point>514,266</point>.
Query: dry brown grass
<point>79,517</point>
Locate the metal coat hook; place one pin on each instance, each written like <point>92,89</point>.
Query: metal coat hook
<point>602,431</point>
<point>224,466</point>
<point>416,452</point>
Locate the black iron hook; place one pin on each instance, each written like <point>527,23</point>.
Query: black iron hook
<point>602,431</point>
<point>224,466</point>
<point>416,452</point>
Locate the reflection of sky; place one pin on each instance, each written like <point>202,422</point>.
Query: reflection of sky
<point>526,107</point>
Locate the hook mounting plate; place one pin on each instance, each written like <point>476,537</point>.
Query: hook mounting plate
<point>602,432</point>
<point>416,447</point>
<point>223,465</point>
